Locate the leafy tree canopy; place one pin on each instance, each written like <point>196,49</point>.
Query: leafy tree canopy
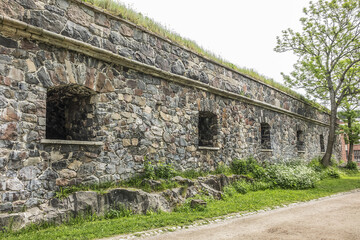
<point>328,47</point>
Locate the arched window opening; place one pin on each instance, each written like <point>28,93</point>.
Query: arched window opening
<point>300,144</point>
<point>208,129</point>
<point>265,136</point>
<point>322,144</point>
<point>69,113</point>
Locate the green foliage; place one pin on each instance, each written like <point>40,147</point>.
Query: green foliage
<point>351,128</point>
<point>149,170</point>
<point>247,166</point>
<point>292,177</point>
<point>118,212</point>
<point>222,169</point>
<point>165,171</point>
<point>330,172</point>
<point>352,166</point>
<point>160,170</point>
<point>316,164</point>
<point>242,186</point>
<point>192,174</point>
<point>328,65</point>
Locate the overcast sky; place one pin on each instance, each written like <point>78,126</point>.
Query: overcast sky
<point>241,31</point>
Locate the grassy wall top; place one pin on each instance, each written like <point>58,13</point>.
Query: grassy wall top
<point>129,14</point>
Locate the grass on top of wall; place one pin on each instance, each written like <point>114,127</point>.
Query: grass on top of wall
<point>125,12</point>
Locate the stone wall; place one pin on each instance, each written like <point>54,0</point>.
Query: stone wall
<point>128,94</point>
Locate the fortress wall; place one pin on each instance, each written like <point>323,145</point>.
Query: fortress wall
<point>73,113</point>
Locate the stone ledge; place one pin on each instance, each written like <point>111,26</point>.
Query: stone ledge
<point>208,148</point>
<point>301,151</point>
<point>70,142</point>
<point>266,150</point>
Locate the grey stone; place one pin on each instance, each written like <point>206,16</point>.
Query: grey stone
<point>48,175</point>
<point>32,202</point>
<point>5,207</point>
<point>63,4</point>
<point>193,74</point>
<point>116,38</point>
<point>54,9</point>
<point>14,184</point>
<point>29,173</point>
<point>91,180</point>
<point>76,31</point>
<point>162,63</point>
<point>183,142</point>
<point>204,77</point>
<point>32,136</point>
<point>44,78</point>
<point>31,79</point>
<point>8,42</point>
<point>178,67</point>
<point>47,20</point>
<point>29,4</point>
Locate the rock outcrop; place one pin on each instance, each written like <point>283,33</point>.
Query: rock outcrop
<point>139,202</point>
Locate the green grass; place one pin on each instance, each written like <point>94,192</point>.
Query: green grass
<point>129,14</point>
<point>95,227</point>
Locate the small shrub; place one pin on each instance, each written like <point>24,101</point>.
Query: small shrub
<point>229,191</point>
<point>351,166</point>
<point>330,172</point>
<point>242,187</point>
<point>160,170</point>
<point>316,164</point>
<point>260,185</point>
<point>165,171</point>
<point>292,177</point>
<point>222,169</point>
<point>118,212</point>
<point>149,170</point>
<point>238,166</point>
<point>247,166</point>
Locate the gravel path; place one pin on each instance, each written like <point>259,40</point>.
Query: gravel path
<point>336,217</point>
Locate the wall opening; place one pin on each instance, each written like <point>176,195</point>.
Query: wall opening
<point>300,144</point>
<point>265,136</point>
<point>322,144</point>
<point>208,129</point>
<point>70,113</point>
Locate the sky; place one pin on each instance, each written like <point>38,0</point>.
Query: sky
<point>242,32</point>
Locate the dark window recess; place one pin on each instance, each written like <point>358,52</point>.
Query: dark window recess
<point>208,129</point>
<point>322,145</point>
<point>265,136</point>
<point>70,113</point>
<point>300,145</point>
<point>357,155</point>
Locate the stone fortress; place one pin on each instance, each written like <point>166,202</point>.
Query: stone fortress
<point>85,96</point>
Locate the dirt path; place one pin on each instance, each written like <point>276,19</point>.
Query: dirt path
<point>331,218</point>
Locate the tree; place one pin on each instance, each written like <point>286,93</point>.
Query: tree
<point>351,129</point>
<point>328,48</point>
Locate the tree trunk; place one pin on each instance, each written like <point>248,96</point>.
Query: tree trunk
<point>351,143</point>
<point>326,160</point>
<point>351,152</point>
